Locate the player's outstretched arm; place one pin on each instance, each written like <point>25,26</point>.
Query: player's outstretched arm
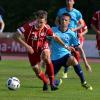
<point>60,42</point>
<point>88,67</point>
<point>81,25</point>
<point>18,37</point>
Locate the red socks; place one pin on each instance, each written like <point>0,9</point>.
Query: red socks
<point>43,77</point>
<point>50,72</point>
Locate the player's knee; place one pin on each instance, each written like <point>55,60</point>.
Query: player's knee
<point>72,61</point>
<point>37,70</point>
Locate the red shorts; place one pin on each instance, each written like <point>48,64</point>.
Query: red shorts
<point>76,54</point>
<point>35,58</point>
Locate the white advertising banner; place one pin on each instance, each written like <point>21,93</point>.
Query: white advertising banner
<point>90,48</point>
<point>9,46</point>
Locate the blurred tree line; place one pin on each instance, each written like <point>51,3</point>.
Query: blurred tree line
<point>19,11</point>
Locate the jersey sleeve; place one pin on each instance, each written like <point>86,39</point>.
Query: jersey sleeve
<point>79,15</point>
<point>50,32</point>
<point>24,29</point>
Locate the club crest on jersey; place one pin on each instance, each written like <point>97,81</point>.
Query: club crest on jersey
<point>34,38</point>
<point>42,34</point>
<point>32,32</point>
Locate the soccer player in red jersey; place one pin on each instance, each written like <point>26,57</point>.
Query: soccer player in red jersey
<point>81,32</point>
<point>33,35</point>
<point>95,24</point>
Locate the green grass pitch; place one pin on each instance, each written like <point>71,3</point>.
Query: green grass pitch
<point>31,86</point>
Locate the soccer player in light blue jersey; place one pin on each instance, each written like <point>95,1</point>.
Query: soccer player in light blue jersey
<point>63,57</point>
<point>75,14</point>
<point>76,17</point>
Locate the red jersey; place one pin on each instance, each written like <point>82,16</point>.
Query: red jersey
<point>96,20</point>
<point>83,28</point>
<point>34,37</point>
<point>81,37</point>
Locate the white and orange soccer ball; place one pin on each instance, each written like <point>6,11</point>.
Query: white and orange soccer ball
<point>13,83</point>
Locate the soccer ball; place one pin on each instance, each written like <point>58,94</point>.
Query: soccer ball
<point>13,83</point>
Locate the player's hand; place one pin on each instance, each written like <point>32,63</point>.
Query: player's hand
<point>72,49</point>
<point>76,54</point>
<point>30,50</point>
<point>88,67</point>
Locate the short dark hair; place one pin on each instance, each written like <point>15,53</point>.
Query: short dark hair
<point>41,14</point>
<point>73,0</point>
<point>66,14</point>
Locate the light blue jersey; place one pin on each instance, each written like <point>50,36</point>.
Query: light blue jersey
<point>75,16</point>
<point>68,37</point>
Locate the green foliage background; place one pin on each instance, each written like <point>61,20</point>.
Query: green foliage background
<point>18,11</point>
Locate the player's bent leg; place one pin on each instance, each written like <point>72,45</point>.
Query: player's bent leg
<point>43,77</point>
<point>49,68</point>
<point>40,74</point>
<point>57,68</point>
<point>79,72</point>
